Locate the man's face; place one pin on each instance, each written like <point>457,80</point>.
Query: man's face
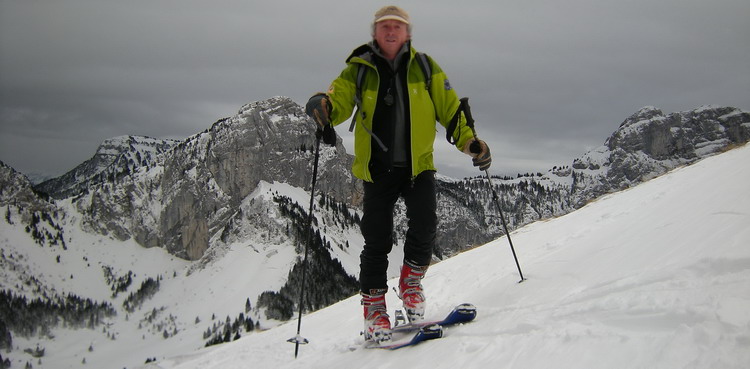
<point>391,35</point>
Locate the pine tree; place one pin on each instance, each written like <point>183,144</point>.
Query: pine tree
<point>7,215</point>
<point>249,325</point>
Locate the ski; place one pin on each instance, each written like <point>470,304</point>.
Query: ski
<point>463,313</point>
<point>425,333</point>
<point>427,330</point>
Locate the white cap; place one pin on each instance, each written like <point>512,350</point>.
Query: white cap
<point>391,12</point>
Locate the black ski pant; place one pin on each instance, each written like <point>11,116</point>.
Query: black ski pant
<point>377,223</point>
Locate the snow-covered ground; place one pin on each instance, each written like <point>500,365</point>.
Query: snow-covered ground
<point>657,276</point>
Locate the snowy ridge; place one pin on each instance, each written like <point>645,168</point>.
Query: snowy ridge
<point>115,157</point>
<point>652,277</point>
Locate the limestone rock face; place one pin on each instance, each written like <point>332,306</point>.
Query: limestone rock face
<point>191,191</point>
<point>650,143</point>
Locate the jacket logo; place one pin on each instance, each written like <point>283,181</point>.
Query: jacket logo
<point>447,85</point>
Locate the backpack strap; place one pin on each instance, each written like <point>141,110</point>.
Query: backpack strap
<point>426,67</point>
<point>454,122</point>
<point>424,63</point>
<point>361,71</point>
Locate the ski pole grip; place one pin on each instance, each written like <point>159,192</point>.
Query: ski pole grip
<point>475,147</point>
<point>467,113</point>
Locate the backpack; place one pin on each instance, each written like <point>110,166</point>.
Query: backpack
<point>426,67</point>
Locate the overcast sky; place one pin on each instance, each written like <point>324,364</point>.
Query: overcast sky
<point>547,80</point>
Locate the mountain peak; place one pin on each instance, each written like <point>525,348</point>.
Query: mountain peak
<point>642,117</point>
<point>114,156</point>
<point>121,144</point>
<point>15,189</point>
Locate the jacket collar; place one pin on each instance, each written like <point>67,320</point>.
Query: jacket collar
<point>369,50</point>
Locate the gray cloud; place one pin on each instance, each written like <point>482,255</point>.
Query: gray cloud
<point>547,80</point>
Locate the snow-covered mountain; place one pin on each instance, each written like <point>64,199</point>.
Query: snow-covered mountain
<point>650,143</point>
<point>182,198</point>
<point>230,197</point>
<point>201,240</point>
<point>192,193</point>
<point>646,145</point>
<point>117,156</point>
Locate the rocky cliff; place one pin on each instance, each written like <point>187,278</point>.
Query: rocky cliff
<point>647,144</point>
<point>194,189</point>
<point>650,143</point>
<point>16,190</point>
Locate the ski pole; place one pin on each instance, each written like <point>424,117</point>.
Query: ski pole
<point>470,123</point>
<point>298,339</point>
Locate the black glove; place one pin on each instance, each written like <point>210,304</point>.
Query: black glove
<point>318,108</point>
<point>328,134</point>
<point>480,153</point>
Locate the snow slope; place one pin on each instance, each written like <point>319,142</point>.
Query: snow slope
<point>657,276</point>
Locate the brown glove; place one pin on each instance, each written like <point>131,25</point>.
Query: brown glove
<point>318,108</point>
<point>479,152</point>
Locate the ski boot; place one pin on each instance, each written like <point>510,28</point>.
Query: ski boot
<point>377,321</point>
<point>410,291</point>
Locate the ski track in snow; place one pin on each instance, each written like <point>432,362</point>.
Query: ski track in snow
<point>657,276</point>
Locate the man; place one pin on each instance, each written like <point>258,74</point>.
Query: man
<point>394,137</point>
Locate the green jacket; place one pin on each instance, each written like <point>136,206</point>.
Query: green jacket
<point>440,104</point>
